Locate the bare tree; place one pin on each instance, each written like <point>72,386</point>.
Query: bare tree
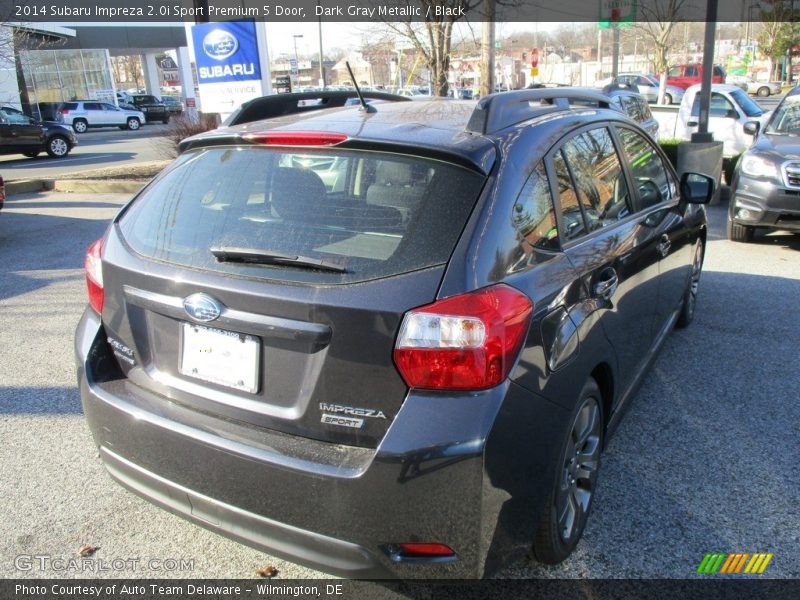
<point>658,20</point>
<point>433,37</point>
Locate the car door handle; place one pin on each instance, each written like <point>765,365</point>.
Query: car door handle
<point>692,123</point>
<point>606,287</point>
<point>664,245</point>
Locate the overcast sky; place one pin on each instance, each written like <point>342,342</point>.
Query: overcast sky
<point>350,35</point>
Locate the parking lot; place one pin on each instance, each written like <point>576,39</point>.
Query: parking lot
<point>102,147</point>
<point>705,460</point>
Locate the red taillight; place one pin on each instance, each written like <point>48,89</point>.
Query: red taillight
<point>424,550</point>
<point>465,342</point>
<point>93,268</point>
<point>64,111</point>
<point>2,191</point>
<point>295,138</point>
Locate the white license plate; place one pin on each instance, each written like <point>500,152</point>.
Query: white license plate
<point>221,357</point>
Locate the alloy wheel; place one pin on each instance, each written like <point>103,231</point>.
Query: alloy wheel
<point>694,281</point>
<point>58,147</point>
<point>579,471</point>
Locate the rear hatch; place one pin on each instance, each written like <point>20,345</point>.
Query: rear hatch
<point>266,284</point>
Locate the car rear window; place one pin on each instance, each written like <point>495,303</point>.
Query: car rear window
<point>371,214</point>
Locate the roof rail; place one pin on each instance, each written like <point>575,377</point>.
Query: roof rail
<point>278,105</point>
<point>501,110</point>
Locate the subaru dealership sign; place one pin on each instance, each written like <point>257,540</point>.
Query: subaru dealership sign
<point>228,69</point>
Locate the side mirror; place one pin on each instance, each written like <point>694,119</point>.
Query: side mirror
<point>752,127</point>
<point>697,188</point>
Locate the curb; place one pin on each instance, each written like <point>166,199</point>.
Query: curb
<point>86,186</point>
<point>99,186</point>
<point>28,186</point>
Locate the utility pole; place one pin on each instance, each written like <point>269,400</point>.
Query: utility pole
<point>487,52</point>
<point>321,68</point>
<point>791,44</point>
<point>702,134</point>
<point>600,53</point>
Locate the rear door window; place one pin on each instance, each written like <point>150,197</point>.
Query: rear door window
<point>534,217</point>
<point>367,214</point>
<point>573,223</point>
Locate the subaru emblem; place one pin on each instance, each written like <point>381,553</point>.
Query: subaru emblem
<point>202,307</point>
<point>220,44</point>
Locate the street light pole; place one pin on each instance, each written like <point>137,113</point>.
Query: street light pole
<point>296,60</point>
<point>295,36</point>
<point>321,68</point>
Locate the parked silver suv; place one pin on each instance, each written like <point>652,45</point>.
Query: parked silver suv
<point>82,114</point>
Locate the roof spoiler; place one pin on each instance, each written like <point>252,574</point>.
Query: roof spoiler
<point>501,110</point>
<point>279,105</point>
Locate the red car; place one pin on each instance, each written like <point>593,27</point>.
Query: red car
<point>683,76</point>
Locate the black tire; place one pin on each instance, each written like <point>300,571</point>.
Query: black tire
<point>564,519</point>
<point>33,154</point>
<point>165,120</point>
<point>57,146</point>
<point>686,315</point>
<point>80,125</point>
<point>133,124</point>
<point>740,233</point>
<point>763,91</point>
<point>668,98</point>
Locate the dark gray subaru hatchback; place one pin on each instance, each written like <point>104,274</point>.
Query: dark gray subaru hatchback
<point>389,343</point>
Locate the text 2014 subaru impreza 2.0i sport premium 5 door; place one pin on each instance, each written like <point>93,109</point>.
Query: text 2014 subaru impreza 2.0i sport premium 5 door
<point>389,343</point>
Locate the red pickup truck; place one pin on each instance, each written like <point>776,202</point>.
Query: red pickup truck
<point>683,76</point>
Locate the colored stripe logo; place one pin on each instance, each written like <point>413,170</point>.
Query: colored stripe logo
<point>734,563</point>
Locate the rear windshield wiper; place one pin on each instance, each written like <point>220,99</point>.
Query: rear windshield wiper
<point>268,257</point>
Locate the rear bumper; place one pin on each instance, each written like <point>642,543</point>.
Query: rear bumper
<point>469,472</point>
<point>156,115</point>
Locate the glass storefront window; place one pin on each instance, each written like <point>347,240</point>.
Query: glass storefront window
<point>63,75</point>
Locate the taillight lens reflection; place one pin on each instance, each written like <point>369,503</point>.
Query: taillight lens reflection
<point>93,268</point>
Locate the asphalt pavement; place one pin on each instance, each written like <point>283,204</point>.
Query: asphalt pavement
<point>104,147</point>
<point>704,461</point>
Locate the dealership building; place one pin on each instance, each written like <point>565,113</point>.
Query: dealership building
<point>53,63</point>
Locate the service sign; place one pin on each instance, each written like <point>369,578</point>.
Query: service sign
<point>228,69</point>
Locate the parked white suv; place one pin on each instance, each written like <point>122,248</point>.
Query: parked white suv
<point>82,114</point>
